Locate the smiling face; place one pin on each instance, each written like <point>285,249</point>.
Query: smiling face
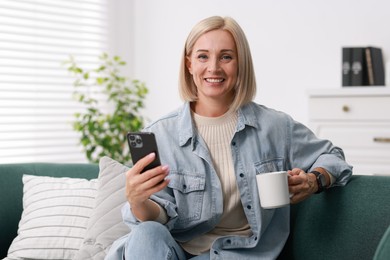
<point>213,65</point>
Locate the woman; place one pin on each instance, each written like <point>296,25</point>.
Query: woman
<point>203,203</point>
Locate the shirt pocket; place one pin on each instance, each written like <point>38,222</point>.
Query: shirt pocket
<point>189,191</point>
<point>270,165</point>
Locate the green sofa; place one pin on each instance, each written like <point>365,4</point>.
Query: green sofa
<point>341,223</point>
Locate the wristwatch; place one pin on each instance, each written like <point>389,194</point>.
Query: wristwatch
<point>321,181</point>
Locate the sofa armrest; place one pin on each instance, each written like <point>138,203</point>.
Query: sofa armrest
<point>383,250</point>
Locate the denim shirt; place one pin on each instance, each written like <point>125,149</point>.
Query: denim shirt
<point>265,140</point>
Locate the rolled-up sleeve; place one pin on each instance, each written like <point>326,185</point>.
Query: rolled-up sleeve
<point>308,152</point>
<point>169,207</point>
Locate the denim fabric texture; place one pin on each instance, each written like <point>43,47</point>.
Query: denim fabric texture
<point>265,140</point>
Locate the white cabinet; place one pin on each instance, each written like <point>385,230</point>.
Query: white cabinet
<point>357,119</point>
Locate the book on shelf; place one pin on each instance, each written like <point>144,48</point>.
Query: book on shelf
<point>375,66</point>
<point>358,73</point>
<point>346,66</point>
<point>362,66</point>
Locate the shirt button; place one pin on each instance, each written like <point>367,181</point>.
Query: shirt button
<point>184,186</point>
<point>234,143</point>
<point>216,252</point>
<point>241,175</point>
<point>228,241</point>
<point>249,207</point>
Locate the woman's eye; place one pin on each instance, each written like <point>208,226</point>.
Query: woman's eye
<point>226,57</point>
<point>202,56</point>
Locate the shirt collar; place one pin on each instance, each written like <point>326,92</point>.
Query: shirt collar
<point>186,125</point>
<point>248,117</point>
<point>187,131</point>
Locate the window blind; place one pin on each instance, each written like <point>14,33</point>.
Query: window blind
<point>36,104</point>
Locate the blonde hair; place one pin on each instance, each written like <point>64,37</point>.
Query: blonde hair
<point>245,89</point>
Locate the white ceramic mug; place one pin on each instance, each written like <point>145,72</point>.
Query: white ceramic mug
<point>273,189</point>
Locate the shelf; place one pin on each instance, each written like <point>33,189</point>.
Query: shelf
<point>351,91</point>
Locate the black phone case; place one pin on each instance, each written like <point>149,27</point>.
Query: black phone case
<point>142,144</point>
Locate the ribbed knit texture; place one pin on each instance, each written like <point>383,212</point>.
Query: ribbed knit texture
<point>217,132</point>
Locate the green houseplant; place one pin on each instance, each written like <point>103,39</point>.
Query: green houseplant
<point>112,105</point>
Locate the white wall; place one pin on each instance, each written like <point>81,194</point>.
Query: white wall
<point>296,45</point>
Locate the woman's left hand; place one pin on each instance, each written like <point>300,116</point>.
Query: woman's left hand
<point>301,185</point>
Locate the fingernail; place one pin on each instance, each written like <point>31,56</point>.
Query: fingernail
<point>165,167</point>
<point>151,155</point>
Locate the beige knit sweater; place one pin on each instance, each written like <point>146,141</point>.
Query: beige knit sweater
<point>217,133</point>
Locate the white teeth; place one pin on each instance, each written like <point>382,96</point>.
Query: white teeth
<point>214,80</point>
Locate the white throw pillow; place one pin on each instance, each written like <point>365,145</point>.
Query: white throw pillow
<point>55,217</point>
<point>106,223</point>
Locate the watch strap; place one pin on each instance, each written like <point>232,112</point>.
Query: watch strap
<point>320,186</point>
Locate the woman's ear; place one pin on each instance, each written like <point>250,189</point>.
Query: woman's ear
<point>188,64</point>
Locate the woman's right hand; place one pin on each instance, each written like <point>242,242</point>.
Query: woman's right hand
<point>140,186</point>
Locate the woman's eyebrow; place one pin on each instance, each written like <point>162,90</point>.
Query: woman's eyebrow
<point>224,50</point>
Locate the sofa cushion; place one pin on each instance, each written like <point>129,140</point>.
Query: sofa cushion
<point>11,187</point>
<point>106,224</point>
<point>55,217</point>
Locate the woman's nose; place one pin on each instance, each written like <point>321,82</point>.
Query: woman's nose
<point>213,65</point>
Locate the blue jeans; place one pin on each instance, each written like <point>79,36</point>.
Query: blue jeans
<point>152,240</point>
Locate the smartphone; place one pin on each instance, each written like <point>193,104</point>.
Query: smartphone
<point>142,144</point>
